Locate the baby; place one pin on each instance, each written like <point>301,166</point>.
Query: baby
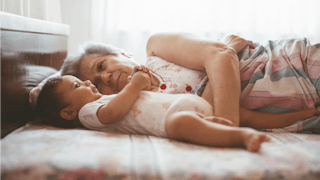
<point>69,102</point>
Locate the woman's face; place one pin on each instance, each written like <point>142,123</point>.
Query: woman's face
<point>108,73</point>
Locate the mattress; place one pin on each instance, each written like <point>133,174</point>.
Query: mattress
<point>37,151</point>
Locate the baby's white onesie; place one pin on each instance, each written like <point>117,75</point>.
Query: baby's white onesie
<point>148,114</point>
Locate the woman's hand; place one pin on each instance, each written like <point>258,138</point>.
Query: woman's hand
<point>141,77</point>
<point>237,43</point>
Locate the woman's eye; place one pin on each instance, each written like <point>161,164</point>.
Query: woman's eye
<point>100,66</point>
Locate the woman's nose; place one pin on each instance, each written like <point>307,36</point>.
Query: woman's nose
<point>106,77</point>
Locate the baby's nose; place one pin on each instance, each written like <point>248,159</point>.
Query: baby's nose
<point>87,82</point>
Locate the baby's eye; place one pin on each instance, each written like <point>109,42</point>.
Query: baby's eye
<point>77,85</point>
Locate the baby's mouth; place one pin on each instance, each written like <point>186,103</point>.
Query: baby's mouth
<point>94,89</point>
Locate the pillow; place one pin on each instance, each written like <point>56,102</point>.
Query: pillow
<point>15,109</point>
<point>34,93</point>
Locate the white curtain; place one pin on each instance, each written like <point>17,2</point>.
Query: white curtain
<point>129,23</point>
<point>48,10</point>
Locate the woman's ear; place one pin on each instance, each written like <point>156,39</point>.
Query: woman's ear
<point>68,114</point>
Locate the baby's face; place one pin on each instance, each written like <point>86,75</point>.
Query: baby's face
<point>76,92</point>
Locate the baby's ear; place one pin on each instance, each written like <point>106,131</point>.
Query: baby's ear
<point>68,114</point>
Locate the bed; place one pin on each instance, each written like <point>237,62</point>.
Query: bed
<point>32,50</point>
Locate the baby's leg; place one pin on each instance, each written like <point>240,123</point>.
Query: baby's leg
<point>190,127</point>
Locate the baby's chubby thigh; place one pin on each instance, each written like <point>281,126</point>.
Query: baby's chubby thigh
<point>191,103</point>
<point>183,113</point>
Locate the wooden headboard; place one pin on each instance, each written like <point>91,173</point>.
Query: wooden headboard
<point>31,49</point>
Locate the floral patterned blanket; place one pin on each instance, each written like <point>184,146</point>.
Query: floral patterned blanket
<point>37,151</point>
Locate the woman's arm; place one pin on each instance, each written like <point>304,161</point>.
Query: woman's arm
<point>185,49</point>
<point>261,120</point>
<point>216,58</point>
<point>123,102</point>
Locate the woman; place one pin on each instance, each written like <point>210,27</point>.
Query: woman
<point>109,68</point>
<point>219,60</point>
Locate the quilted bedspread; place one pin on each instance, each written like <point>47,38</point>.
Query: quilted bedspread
<point>37,151</point>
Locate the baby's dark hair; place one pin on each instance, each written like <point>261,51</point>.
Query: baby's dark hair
<point>50,103</point>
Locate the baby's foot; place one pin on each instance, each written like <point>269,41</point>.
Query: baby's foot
<point>219,120</point>
<point>253,139</point>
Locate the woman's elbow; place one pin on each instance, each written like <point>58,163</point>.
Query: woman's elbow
<point>220,52</point>
<point>161,44</point>
<point>151,44</point>
<point>221,48</point>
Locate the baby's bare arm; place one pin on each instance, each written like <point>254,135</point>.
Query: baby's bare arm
<point>261,120</point>
<point>123,102</point>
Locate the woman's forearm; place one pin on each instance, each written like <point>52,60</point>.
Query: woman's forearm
<point>224,78</point>
<point>262,120</point>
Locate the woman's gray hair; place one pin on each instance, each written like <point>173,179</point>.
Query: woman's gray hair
<point>72,63</point>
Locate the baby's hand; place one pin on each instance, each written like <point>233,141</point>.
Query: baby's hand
<point>141,77</point>
<point>140,68</point>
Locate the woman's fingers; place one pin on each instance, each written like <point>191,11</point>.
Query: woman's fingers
<point>237,43</point>
<point>317,111</point>
<point>251,44</point>
<point>245,43</point>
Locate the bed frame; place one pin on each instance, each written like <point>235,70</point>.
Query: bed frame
<point>28,46</point>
